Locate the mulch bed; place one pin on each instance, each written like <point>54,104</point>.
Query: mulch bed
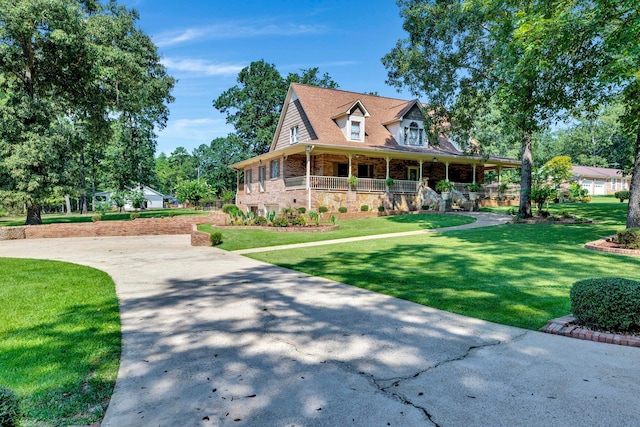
<point>554,220</point>
<point>290,229</point>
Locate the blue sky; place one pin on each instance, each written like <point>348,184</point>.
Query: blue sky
<point>204,44</point>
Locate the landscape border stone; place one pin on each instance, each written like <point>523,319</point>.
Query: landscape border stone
<point>601,246</point>
<point>565,326</point>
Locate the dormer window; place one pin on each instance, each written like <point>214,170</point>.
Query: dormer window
<point>293,135</point>
<point>355,131</point>
<point>413,134</point>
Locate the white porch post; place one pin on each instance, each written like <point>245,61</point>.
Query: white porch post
<point>350,157</point>
<point>474,173</point>
<point>420,176</point>
<point>308,150</point>
<point>446,164</point>
<point>388,160</point>
<point>499,173</point>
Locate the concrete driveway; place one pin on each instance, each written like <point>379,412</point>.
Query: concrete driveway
<point>212,338</point>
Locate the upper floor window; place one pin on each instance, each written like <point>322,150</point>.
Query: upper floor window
<point>293,135</point>
<point>275,168</point>
<point>413,135</point>
<point>355,131</point>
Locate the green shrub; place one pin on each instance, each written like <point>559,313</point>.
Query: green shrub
<point>9,408</point>
<point>271,215</point>
<point>299,221</point>
<point>629,238</point>
<point>96,218</point>
<point>364,208</point>
<point>134,215</point>
<point>280,222</point>
<point>610,304</point>
<point>380,208</point>
<point>102,207</point>
<point>230,209</point>
<point>333,219</point>
<point>315,217</point>
<point>262,221</point>
<point>323,209</point>
<point>215,238</point>
<point>302,210</point>
<point>621,195</point>
<point>342,209</point>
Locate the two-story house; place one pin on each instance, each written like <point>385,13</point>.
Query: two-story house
<point>326,137</point>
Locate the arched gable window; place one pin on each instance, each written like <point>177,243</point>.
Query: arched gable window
<point>413,134</point>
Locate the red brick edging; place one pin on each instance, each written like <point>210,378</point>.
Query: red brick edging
<point>564,326</point>
<point>137,227</point>
<point>597,246</point>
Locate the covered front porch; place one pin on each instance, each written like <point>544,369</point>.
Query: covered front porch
<point>311,176</point>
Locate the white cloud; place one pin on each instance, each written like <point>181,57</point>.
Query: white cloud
<point>202,66</point>
<point>235,30</point>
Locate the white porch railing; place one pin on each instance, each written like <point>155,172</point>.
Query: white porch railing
<point>339,183</point>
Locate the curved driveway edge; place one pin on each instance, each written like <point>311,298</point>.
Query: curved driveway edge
<point>211,338</point>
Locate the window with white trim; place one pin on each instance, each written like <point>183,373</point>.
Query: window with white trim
<point>275,168</point>
<point>262,174</point>
<point>356,131</point>
<point>413,134</point>
<point>293,135</point>
<point>247,180</point>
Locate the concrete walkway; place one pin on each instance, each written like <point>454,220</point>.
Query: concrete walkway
<point>212,338</point>
<point>483,219</point>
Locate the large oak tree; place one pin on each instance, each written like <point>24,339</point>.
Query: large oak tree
<point>466,56</point>
<point>68,70</point>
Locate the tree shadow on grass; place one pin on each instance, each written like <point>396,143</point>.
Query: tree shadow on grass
<point>84,344</point>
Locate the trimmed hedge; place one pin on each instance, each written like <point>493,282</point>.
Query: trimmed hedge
<point>629,238</point>
<point>610,304</point>
<point>215,238</point>
<point>280,222</point>
<point>621,195</point>
<point>260,220</point>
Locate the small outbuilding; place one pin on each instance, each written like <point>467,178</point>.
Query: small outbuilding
<point>153,199</point>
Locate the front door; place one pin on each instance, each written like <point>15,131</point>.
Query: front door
<point>412,173</point>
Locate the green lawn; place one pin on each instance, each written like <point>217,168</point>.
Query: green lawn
<point>14,220</point>
<point>59,340</point>
<point>255,238</point>
<point>514,274</point>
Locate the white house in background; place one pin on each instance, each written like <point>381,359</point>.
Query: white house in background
<point>153,198</point>
<point>601,181</point>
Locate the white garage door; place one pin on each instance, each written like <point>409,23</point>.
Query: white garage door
<point>599,188</point>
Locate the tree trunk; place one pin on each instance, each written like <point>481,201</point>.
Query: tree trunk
<point>33,214</point>
<point>83,184</point>
<point>633,211</point>
<point>525,181</point>
<point>67,201</point>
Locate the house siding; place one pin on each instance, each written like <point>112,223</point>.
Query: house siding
<point>295,116</point>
